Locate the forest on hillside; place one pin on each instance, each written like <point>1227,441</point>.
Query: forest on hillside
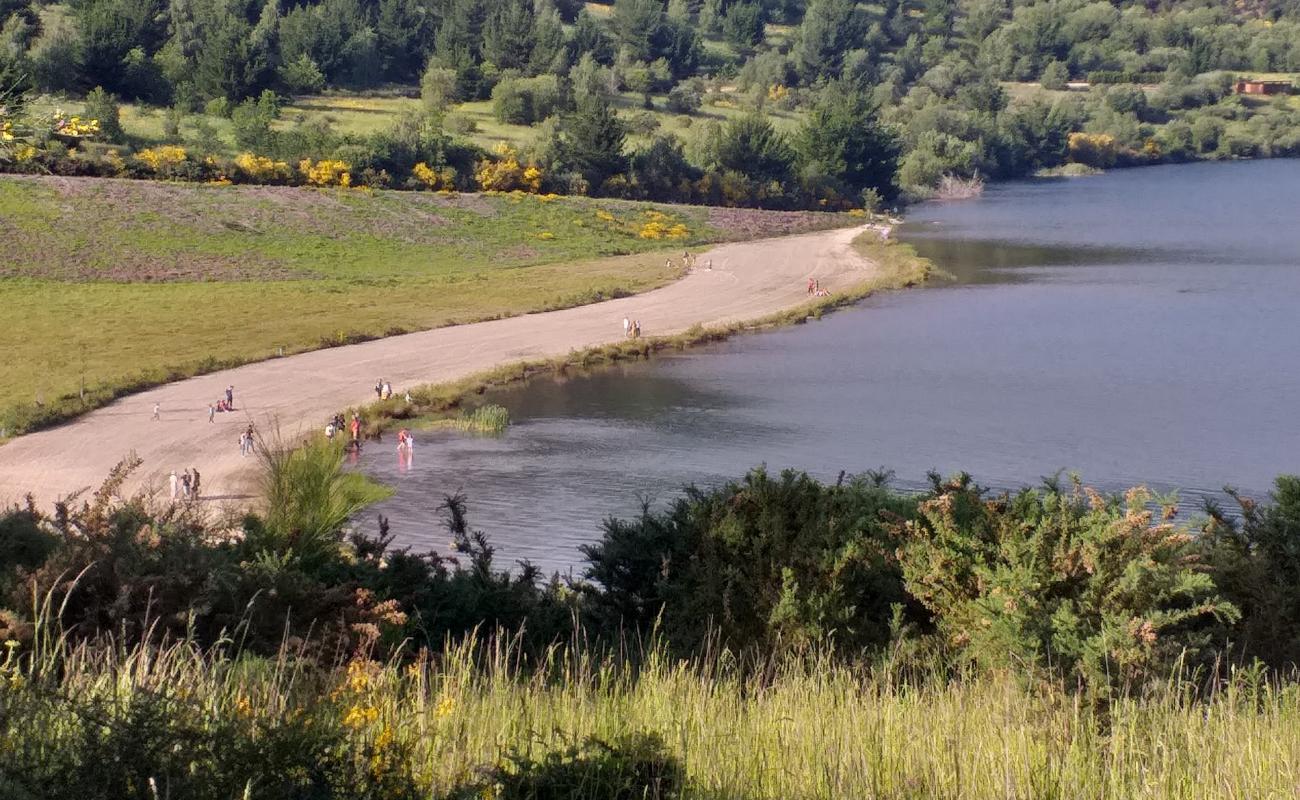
<point>781,103</point>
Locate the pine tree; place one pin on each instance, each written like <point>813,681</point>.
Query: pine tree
<point>593,141</point>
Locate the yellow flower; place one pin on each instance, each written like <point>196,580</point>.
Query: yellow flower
<point>547,235</point>
<point>445,706</point>
<point>359,717</point>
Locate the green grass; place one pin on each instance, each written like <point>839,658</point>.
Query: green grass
<point>117,285</point>
<point>367,113</point>
<point>809,727</point>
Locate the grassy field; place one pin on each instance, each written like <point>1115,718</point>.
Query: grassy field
<point>468,722</point>
<point>369,113</point>
<point>114,285</point>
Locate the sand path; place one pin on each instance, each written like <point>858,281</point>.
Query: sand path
<point>749,280</point>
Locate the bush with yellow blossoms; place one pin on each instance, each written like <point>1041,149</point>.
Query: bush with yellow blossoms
<point>1094,149</point>
<point>73,127</point>
<point>326,172</point>
<point>260,169</point>
<point>163,161</point>
<point>439,179</point>
<point>506,174</point>
<point>661,226</point>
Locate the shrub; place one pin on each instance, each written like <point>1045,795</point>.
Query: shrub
<point>444,178</point>
<point>1098,150</point>
<point>325,172</point>
<point>505,173</point>
<point>103,107</point>
<point>260,169</point>
<point>685,98</point>
<point>1055,76</point>
<point>164,161</point>
<point>767,562</point>
<point>1093,586</point>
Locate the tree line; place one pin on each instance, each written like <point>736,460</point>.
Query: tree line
<point>924,79</point>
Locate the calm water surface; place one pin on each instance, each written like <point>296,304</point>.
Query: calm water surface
<point>1139,326</point>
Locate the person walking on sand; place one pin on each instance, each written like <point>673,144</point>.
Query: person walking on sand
<point>812,286</point>
<point>194,484</point>
<point>329,430</point>
<point>379,389</point>
<point>173,480</point>
<point>627,327</point>
<point>709,265</point>
<point>230,397</point>
<point>157,411</point>
<point>212,413</point>
<point>185,485</point>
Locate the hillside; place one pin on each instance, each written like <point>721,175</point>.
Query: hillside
<point>828,103</point>
<point>115,285</point>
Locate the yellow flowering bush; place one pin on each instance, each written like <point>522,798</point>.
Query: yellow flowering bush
<point>440,179</point>
<point>72,126</point>
<point>546,235</point>
<point>164,160</point>
<point>6,131</point>
<point>326,172</point>
<point>260,169</point>
<point>777,92</point>
<point>662,226</point>
<point>506,174</point>
<point>1094,149</point>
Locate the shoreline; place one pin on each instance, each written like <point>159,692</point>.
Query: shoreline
<point>754,284</point>
<point>435,402</point>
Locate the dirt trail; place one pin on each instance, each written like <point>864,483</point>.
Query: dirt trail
<point>749,280</point>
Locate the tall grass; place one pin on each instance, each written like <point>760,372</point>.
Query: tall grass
<point>804,726</point>
<point>489,420</point>
<point>309,496</point>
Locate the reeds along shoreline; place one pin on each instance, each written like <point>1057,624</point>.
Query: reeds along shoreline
<point>470,721</point>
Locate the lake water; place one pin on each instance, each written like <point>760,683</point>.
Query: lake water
<point>1136,327</point>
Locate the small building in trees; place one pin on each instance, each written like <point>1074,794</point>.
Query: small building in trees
<point>1249,86</point>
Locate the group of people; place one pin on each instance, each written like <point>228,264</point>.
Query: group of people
<point>246,441</point>
<point>337,425</point>
<point>688,261</point>
<point>383,389</point>
<point>815,288</point>
<point>223,404</point>
<point>185,486</point>
<point>631,328</point>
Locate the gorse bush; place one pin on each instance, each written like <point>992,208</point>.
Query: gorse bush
<point>1089,585</point>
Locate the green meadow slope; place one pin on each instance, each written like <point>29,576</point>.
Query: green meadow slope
<point>111,285</point>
